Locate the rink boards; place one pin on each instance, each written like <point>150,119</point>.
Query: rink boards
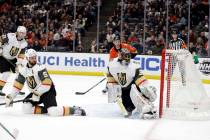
<point>96,64</point>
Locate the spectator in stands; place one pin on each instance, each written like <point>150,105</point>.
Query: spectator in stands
<point>110,38</point>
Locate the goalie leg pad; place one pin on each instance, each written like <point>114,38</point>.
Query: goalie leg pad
<point>149,92</point>
<point>144,107</point>
<point>114,91</point>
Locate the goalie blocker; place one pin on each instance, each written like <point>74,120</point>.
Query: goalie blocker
<point>126,81</point>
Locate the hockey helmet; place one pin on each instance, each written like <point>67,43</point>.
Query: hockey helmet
<point>30,53</point>
<point>117,37</point>
<point>117,42</point>
<point>21,31</point>
<point>174,31</point>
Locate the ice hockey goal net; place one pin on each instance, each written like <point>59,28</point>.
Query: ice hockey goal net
<point>182,94</point>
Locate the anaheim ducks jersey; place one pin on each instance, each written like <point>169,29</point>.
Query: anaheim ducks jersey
<point>36,77</point>
<point>124,75</point>
<point>13,48</point>
<point>113,53</point>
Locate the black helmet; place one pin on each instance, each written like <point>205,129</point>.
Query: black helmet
<point>117,37</point>
<point>174,31</point>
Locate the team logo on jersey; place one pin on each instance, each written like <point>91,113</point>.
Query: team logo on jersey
<point>205,67</point>
<point>13,51</point>
<point>31,82</point>
<point>122,78</point>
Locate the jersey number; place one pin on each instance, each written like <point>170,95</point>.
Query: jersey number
<point>14,51</point>
<point>45,74</point>
<point>122,78</point>
<point>31,82</point>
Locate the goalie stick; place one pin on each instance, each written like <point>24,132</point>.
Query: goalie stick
<point>82,93</point>
<point>13,135</point>
<point>122,108</point>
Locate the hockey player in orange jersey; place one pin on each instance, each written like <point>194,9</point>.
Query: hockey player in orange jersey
<point>114,51</point>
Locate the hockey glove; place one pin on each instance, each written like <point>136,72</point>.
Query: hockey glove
<point>36,96</point>
<point>9,100</point>
<point>19,65</point>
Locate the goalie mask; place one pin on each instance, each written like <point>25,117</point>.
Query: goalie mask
<point>125,56</point>
<point>31,56</point>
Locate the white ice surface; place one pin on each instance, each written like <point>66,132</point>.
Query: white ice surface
<point>104,121</point>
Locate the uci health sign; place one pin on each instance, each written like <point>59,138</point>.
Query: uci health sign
<point>73,61</point>
<point>88,62</point>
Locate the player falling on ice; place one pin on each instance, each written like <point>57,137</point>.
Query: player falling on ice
<point>42,90</point>
<point>126,81</point>
<point>12,47</point>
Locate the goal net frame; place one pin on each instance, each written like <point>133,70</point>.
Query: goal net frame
<point>182,94</point>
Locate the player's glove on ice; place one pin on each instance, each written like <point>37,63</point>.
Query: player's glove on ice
<point>8,100</point>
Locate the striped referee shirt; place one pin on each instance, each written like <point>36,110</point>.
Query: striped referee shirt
<point>177,44</point>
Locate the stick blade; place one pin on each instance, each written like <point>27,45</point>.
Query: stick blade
<point>79,93</point>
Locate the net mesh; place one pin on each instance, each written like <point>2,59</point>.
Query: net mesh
<point>184,96</point>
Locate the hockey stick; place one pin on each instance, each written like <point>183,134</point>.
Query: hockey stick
<point>3,94</point>
<point>122,108</point>
<point>17,101</point>
<point>13,136</point>
<point>82,93</point>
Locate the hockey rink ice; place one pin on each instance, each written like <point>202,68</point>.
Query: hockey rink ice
<point>103,121</point>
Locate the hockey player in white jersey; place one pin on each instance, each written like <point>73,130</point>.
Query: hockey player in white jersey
<point>42,90</point>
<point>12,46</point>
<point>126,81</point>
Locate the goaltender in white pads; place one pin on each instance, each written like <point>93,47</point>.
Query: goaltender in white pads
<point>126,83</point>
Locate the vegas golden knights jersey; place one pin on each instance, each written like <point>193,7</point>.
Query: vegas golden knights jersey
<point>37,78</point>
<point>124,75</point>
<point>14,48</point>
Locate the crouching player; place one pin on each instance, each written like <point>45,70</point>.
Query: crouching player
<point>42,90</point>
<point>127,84</point>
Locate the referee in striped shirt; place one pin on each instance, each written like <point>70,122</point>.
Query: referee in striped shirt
<point>177,44</point>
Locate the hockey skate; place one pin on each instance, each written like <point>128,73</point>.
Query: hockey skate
<point>77,111</point>
<point>105,90</point>
<point>128,115</point>
<point>149,115</point>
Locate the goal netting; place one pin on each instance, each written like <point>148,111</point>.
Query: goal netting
<point>182,94</point>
